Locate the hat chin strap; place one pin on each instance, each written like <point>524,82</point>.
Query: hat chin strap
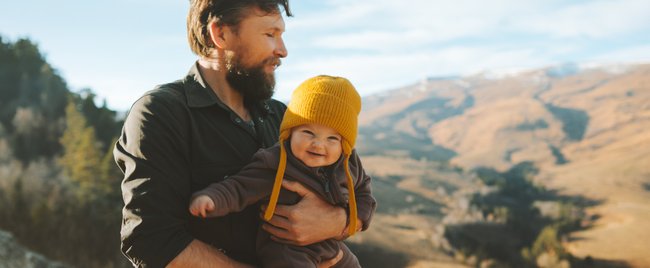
<point>352,203</point>
<point>277,184</point>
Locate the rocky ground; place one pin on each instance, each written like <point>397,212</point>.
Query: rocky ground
<point>12,255</point>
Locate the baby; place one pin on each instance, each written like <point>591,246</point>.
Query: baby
<point>319,128</point>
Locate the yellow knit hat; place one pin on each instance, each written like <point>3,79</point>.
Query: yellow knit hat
<point>329,101</point>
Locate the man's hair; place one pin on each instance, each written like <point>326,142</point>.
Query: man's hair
<point>224,13</point>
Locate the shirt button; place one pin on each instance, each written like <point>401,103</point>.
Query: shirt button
<point>237,120</point>
<point>261,120</point>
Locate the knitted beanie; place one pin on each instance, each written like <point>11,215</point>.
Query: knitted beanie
<point>329,101</point>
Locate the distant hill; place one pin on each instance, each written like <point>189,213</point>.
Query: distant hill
<point>489,120</point>
<point>585,127</point>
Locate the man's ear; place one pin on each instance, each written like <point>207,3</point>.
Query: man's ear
<point>218,35</point>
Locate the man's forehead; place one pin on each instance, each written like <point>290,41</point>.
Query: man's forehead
<point>259,18</point>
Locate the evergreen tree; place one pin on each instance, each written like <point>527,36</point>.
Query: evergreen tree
<point>111,177</point>
<point>29,83</point>
<point>102,119</point>
<point>81,158</point>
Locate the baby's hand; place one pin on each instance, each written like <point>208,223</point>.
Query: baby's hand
<point>201,206</point>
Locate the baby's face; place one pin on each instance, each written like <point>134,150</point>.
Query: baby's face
<point>316,145</point>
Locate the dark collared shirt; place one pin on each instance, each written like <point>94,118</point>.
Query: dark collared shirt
<point>177,139</point>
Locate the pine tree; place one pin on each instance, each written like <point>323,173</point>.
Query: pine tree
<point>29,83</point>
<point>111,177</point>
<point>81,160</point>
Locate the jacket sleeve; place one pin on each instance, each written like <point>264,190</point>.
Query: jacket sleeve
<point>366,203</point>
<point>248,186</point>
<point>152,152</point>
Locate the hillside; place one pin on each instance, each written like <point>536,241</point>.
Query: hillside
<point>585,128</point>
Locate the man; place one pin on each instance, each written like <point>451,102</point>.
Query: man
<point>182,136</point>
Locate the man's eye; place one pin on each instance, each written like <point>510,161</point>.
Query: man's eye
<point>269,34</point>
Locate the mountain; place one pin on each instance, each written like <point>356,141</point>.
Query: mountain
<point>584,127</point>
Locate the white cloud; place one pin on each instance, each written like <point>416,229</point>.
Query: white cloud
<point>443,20</point>
<point>364,24</point>
<point>335,16</point>
<point>592,19</point>
<point>639,54</point>
<point>374,40</point>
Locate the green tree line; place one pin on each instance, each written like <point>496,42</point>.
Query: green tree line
<point>59,185</point>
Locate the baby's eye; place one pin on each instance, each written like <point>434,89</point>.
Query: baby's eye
<point>308,132</point>
<point>334,138</point>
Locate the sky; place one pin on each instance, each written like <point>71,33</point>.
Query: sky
<point>123,48</point>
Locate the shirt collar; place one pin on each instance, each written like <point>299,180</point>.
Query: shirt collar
<point>199,93</point>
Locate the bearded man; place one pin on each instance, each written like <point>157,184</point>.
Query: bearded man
<point>184,135</point>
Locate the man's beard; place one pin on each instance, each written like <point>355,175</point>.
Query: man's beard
<point>252,82</point>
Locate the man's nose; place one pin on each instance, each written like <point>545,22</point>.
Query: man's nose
<point>281,49</point>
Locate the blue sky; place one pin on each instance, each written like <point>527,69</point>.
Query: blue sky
<point>122,48</point>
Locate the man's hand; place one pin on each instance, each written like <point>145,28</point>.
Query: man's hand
<point>309,221</point>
